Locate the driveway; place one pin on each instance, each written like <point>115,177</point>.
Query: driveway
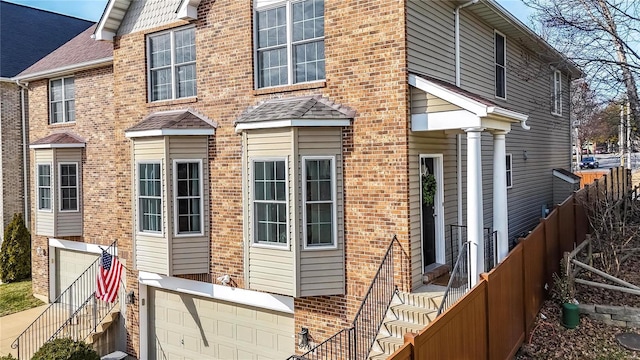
<point>13,325</point>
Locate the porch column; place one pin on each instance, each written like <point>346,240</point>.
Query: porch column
<point>500,213</point>
<point>475,219</point>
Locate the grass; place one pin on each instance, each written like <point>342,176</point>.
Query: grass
<point>15,297</point>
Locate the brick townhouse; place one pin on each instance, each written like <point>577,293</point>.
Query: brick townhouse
<point>255,159</point>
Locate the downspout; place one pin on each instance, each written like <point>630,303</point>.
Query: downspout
<point>25,170</point>
<point>459,136</point>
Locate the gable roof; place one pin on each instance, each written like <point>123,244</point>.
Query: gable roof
<point>173,122</point>
<point>313,107</point>
<point>80,52</point>
<point>28,34</point>
<point>58,140</point>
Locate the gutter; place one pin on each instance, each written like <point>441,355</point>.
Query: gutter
<point>25,170</point>
<point>65,69</point>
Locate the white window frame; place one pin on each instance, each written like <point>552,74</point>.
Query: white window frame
<point>557,93</point>
<point>63,101</point>
<point>289,45</point>
<point>77,187</point>
<point>51,186</point>
<point>495,82</point>
<point>509,170</point>
<point>254,227</point>
<point>176,214</point>
<point>174,83</point>
<point>334,194</point>
<point>137,199</point>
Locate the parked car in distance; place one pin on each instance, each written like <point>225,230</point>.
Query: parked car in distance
<point>589,162</point>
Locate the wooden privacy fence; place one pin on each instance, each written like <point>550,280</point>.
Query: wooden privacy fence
<point>492,320</point>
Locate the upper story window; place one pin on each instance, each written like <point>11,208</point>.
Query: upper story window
<point>68,186</point>
<point>319,198</point>
<point>172,64</point>
<point>149,197</point>
<point>500,44</point>
<point>270,202</point>
<point>290,43</point>
<point>62,106</point>
<point>509,160</point>
<point>557,93</point>
<point>188,197</point>
<point>44,187</point>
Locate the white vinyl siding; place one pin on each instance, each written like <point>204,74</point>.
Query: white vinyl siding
<point>290,43</point>
<point>319,205</point>
<point>62,107</point>
<point>500,48</point>
<point>172,64</point>
<point>68,186</point>
<point>557,93</point>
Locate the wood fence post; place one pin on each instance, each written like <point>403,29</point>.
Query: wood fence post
<point>485,277</point>
<point>410,338</point>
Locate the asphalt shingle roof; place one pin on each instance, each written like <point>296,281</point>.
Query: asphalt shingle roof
<point>28,34</point>
<point>174,119</point>
<point>59,138</point>
<point>80,49</point>
<point>303,107</point>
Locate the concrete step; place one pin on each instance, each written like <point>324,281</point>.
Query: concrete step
<point>397,328</point>
<point>426,300</point>
<point>414,314</point>
<point>389,344</point>
<point>103,326</point>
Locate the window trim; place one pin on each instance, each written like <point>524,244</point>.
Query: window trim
<point>64,100</point>
<point>59,187</point>
<point>495,63</point>
<point>175,198</point>
<point>289,45</point>
<point>285,246</point>
<point>557,94</point>
<point>334,191</point>
<point>51,187</point>
<point>174,84</point>
<point>509,170</point>
<point>138,214</point>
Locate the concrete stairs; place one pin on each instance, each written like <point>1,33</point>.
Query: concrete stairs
<point>104,325</point>
<point>408,312</point>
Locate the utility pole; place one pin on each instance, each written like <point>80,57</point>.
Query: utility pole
<point>621,136</point>
<point>629,147</point>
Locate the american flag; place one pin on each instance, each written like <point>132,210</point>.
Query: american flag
<point>109,273</point>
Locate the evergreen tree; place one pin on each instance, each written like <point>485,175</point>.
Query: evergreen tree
<point>15,255</point>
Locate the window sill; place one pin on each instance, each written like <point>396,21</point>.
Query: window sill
<point>187,100</point>
<point>63,124</point>
<point>556,114</point>
<point>289,88</point>
<point>284,247</point>
<point>320,248</point>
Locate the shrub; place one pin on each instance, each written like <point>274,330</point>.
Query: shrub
<point>15,255</point>
<point>7,357</point>
<point>65,349</point>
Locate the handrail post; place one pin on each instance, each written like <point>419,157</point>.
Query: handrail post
<point>95,313</point>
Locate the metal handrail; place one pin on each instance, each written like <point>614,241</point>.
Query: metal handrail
<point>459,276</point>
<point>62,312</point>
<point>356,341</point>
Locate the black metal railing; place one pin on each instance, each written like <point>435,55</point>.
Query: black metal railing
<point>490,238</point>
<point>75,313</point>
<point>459,281</point>
<point>355,342</point>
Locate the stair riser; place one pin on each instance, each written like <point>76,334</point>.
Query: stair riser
<point>421,301</point>
<point>415,317</point>
<point>389,348</point>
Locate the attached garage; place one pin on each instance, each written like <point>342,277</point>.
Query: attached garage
<point>70,265</point>
<point>183,326</point>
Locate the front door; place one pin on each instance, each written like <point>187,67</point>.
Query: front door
<point>431,199</point>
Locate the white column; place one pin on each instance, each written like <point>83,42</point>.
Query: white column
<point>500,213</point>
<point>474,204</point>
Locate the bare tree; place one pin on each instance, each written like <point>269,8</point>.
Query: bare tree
<point>601,36</point>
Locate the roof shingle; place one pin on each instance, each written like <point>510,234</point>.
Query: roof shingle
<point>174,119</point>
<point>303,107</point>
<point>59,138</point>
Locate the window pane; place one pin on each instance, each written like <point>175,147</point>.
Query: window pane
<point>500,47</point>
<point>71,110</point>
<point>500,81</point>
<point>56,112</point>
<point>185,46</point>
<point>69,88</point>
<point>309,60</point>
<point>56,90</point>
<point>160,48</point>
<point>186,76</point>
<point>160,84</point>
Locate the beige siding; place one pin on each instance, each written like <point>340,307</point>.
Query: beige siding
<point>151,251</point>
<point>189,254</point>
<point>44,219</point>
<point>146,14</point>
<point>430,143</point>
<point>68,223</point>
<point>321,272</point>
<point>269,269</point>
<point>430,38</point>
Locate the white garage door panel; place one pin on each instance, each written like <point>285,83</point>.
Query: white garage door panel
<point>188,327</point>
<point>69,265</point>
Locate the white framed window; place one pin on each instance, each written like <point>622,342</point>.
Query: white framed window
<point>509,161</point>
<point>557,93</point>
<point>150,197</point>
<point>44,187</point>
<point>289,38</point>
<point>500,56</point>
<point>187,194</point>
<point>62,105</point>
<point>68,188</point>
<point>319,202</point>
<point>270,199</point>
<point>172,64</point>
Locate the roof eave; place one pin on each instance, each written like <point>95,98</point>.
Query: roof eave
<point>169,132</point>
<point>280,123</point>
<point>64,70</point>
<point>57,146</point>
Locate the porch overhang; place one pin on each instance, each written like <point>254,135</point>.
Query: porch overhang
<point>472,111</point>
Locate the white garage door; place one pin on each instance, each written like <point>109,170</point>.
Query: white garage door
<point>184,327</point>
<point>69,265</point>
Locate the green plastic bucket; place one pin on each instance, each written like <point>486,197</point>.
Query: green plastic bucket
<point>570,315</point>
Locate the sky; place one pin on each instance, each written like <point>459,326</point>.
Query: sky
<point>92,9</point>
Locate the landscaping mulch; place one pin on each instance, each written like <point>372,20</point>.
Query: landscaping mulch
<point>629,272</point>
